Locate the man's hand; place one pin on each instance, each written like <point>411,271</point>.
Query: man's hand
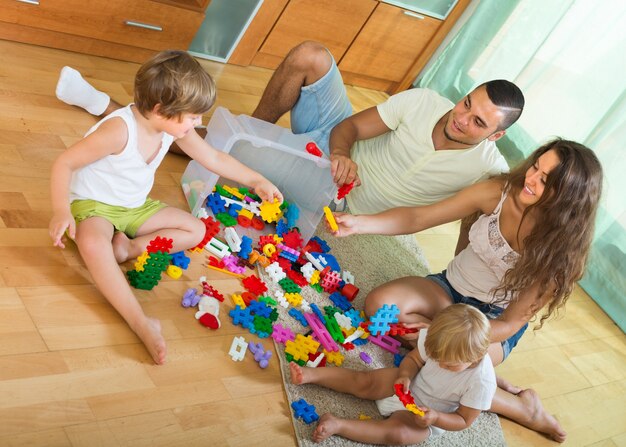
<point>344,170</point>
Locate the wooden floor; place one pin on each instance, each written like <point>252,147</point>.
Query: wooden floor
<point>73,374</point>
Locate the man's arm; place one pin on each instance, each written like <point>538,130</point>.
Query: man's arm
<point>361,126</point>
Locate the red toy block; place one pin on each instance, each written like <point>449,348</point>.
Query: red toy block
<point>210,291</point>
<point>293,239</point>
<point>312,149</point>
<point>350,291</point>
<point>344,190</point>
<point>247,297</point>
<point>160,244</point>
<point>212,228</point>
<point>284,263</point>
<point>253,284</point>
<point>297,278</point>
<point>266,239</point>
<point>400,329</point>
<point>244,221</point>
<point>213,261</point>
<point>257,223</point>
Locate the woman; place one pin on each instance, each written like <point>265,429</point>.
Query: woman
<point>526,250</point>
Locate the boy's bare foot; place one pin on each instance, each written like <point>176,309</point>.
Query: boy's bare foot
<point>327,426</point>
<point>121,247</point>
<point>297,376</point>
<point>538,419</point>
<point>150,335</point>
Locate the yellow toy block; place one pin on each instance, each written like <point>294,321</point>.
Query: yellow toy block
<point>269,250</point>
<point>270,212</point>
<point>234,191</point>
<point>246,213</point>
<point>295,299</point>
<point>413,409</point>
<point>277,238</point>
<point>364,417</point>
<point>174,271</point>
<point>334,357</point>
<point>238,300</point>
<point>330,219</point>
<point>141,261</point>
<point>301,347</point>
<point>315,277</point>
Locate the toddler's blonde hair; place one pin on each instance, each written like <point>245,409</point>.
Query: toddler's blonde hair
<point>176,81</point>
<point>458,334</point>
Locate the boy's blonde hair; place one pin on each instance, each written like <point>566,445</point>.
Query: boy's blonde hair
<point>458,334</point>
<point>176,81</point>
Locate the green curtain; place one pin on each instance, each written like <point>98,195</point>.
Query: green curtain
<point>569,59</point>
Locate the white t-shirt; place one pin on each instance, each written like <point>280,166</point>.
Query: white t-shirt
<point>443,390</point>
<point>123,179</point>
<point>402,167</point>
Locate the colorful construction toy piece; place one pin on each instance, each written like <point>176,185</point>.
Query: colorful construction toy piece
<point>312,149</point>
<point>385,342</point>
<point>270,212</point>
<point>261,356</point>
<point>281,333</point>
<point>380,321</point>
<point>330,219</point>
<point>254,285</point>
<point>304,411</point>
<point>344,190</point>
<point>407,400</point>
<point>238,349</point>
<point>321,333</point>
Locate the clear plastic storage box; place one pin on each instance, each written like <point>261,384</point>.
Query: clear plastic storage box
<point>277,154</point>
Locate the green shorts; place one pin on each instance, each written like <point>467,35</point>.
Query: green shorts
<point>127,220</point>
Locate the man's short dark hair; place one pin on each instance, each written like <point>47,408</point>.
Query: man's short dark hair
<point>508,97</point>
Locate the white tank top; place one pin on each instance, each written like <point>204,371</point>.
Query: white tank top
<point>481,266</point>
<point>123,179</point>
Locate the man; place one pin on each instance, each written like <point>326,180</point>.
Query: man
<point>414,149</point>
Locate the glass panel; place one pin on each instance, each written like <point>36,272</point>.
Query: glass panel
<point>223,26</point>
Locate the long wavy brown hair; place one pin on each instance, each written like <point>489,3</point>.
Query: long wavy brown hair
<point>555,252</point>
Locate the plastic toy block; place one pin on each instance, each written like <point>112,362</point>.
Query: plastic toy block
<point>209,290</point>
<point>358,333</point>
<point>246,247</point>
<point>289,253</point>
<point>344,190</point>
<point>267,300</point>
<point>174,272</point>
<point>202,213</point>
<point>248,297</point>
<point>266,239</point>
<point>316,310</point>
<point>285,264</point>
<point>350,291</point>
<point>142,282</point>
<point>355,316</point>
<point>407,400</point>
<point>232,239</point>
<point>280,298</point>
<point>160,244</point>
<point>269,249</point>
<point>297,278</point>
<point>399,329</point>
<point>257,224</point>
<point>295,299</point>
<point>307,271</point>
<point>216,203</point>
<point>340,301</point>
<point>179,259</point>
<point>141,261</point>
<point>289,286</point>
<point>321,333</point>
<point>364,417</point>
<point>312,149</point>
<point>295,313</point>
<point>334,330</point>
<point>324,247</point>
<point>217,248</point>
<point>270,212</point>
<point>275,271</point>
<point>191,298</point>
<point>226,219</point>
<point>397,359</point>
<point>231,264</point>
<point>238,300</point>
<point>301,347</point>
<point>343,321</point>
<point>380,321</point>
<point>330,218</point>
<point>385,342</point>
<point>347,277</point>
<point>365,357</point>
<point>330,281</point>
<point>315,360</point>
<point>281,227</point>
<point>214,262</point>
<point>317,287</point>
<point>209,320</point>
<point>233,191</point>
<point>238,349</point>
<point>234,209</point>
<point>244,221</point>
<point>261,326</point>
<point>305,411</point>
<point>259,308</point>
<point>254,285</point>
<point>261,356</point>
<point>241,317</point>
<point>292,215</point>
<point>281,333</point>
<point>222,191</point>
<point>212,227</point>
<point>336,358</point>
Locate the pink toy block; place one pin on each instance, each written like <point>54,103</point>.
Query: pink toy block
<point>281,334</point>
<point>321,333</point>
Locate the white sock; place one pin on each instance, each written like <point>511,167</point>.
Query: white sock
<point>72,89</point>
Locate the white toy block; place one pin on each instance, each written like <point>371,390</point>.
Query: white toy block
<point>280,298</point>
<point>316,263</point>
<point>347,277</point>
<point>343,321</point>
<point>217,247</point>
<point>201,213</point>
<point>305,306</point>
<point>238,349</point>
<point>307,271</point>
<point>316,362</point>
<point>356,334</point>
<point>232,239</point>
<point>275,271</point>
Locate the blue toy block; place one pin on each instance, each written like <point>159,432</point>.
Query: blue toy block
<point>355,317</point>
<point>242,317</point>
<point>288,255</point>
<point>259,308</point>
<point>234,209</point>
<point>322,243</point>
<point>328,261</point>
<point>216,203</point>
<point>292,214</point>
<point>305,411</point>
<point>379,322</point>
<point>397,358</point>
<point>179,259</point>
<point>246,247</point>
<point>295,313</point>
<point>340,301</point>
<point>281,227</point>
<point>316,310</point>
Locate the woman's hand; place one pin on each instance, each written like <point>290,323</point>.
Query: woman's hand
<point>58,224</point>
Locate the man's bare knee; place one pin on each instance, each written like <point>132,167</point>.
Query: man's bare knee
<point>311,59</point>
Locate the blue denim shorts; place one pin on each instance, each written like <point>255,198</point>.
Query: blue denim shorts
<point>320,107</point>
<point>491,312</point>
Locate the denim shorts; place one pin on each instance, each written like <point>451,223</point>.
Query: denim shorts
<point>320,107</point>
<point>491,312</point>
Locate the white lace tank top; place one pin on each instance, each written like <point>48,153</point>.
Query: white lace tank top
<point>481,266</point>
